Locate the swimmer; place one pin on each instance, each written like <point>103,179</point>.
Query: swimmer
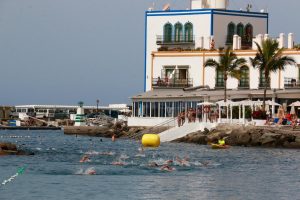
<point>107,153</point>
<point>152,164</point>
<point>183,162</point>
<point>205,163</point>
<point>118,163</point>
<point>85,158</point>
<point>141,149</point>
<point>167,162</point>
<point>91,172</point>
<point>167,168</point>
<point>113,137</point>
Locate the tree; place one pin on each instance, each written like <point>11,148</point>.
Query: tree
<point>269,58</point>
<point>229,64</point>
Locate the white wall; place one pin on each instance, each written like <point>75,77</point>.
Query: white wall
<point>221,22</point>
<point>195,63</point>
<point>201,27</point>
<point>201,20</point>
<point>149,121</point>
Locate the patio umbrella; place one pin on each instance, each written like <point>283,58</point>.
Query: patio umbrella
<point>247,102</point>
<point>205,104</point>
<point>293,110</point>
<point>257,103</point>
<point>223,103</point>
<point>297,103</point>
<point>272,103</point>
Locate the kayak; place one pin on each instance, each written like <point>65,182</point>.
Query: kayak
<point>218,146</point>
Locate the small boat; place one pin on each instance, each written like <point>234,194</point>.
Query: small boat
<point>218,146</point>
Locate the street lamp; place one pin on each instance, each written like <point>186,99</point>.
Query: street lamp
<point>97,104</point>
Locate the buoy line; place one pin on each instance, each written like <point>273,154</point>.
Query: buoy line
<point>15,136</point>
<point>19,172</point>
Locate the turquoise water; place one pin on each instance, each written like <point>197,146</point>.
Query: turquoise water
<point>54,172</point>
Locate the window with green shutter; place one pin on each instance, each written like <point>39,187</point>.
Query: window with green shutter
<point>168,32</point>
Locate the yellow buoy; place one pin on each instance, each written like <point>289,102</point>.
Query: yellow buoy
<point>151,140</point>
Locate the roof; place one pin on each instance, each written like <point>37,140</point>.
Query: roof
<point>110,107</point>
<point>214,95</point>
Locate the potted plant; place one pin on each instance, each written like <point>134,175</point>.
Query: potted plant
<point>259,117</point>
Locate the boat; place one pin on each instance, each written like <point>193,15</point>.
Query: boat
<point>218,146</point>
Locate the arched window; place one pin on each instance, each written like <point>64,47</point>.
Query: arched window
<point>244,80</point>
<point>168,32</point>
<point>240,30</point>
<point>219,78</point>
<point>178,32</point>
<point>262,80</point>
<point>248,33</point>
<point>188,32</point>
<point>230,33</point>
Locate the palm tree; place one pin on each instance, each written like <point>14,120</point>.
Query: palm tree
<point>229,64</point>
<point>269,59</point>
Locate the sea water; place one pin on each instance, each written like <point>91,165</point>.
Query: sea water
<point>54,172</point>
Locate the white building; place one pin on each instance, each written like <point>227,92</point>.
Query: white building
<point>178,43</point>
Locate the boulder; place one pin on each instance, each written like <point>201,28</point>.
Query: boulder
<point>7,148</point>
<point>214,136</point>
<point>255,137</point>
<point>269,138</point>
<point>238,136</point>
<point>197,139</point>
<point>291,145</point>
<point>297,139</point>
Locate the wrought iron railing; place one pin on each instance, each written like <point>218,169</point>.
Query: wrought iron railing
<point>246,42</point>
<point>229,40</point>
<point>244,86</point>
<point>174,40</point>
<point>291,83</point>
<point>262,85</point>
<point>172,82</point>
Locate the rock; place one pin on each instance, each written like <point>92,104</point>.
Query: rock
<point>269,138</point>
<point>198,139</point>
<point>297,139</point>
<point>213,137</point>
<point>292,145</point>
<point>255,137</point>
<point>206,131</point>
<point>7,148</point>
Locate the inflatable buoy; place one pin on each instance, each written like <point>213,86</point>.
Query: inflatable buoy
<point>151,140</point>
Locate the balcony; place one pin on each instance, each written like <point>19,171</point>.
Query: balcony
<point>261,85</point>
<point>172,83</point>
<point>219,85</point>
<point>244,86</point>
<point>246,43</point>
<point>229,40</point>
<point>160,40</point>
<point>291,83</point>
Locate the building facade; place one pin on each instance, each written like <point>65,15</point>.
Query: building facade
<point>178,43</point>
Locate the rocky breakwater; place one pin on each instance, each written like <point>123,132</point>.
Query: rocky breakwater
<point>108,130</point>
<point>7,148</point>
<point>237,135</point>
<point>120,130</point>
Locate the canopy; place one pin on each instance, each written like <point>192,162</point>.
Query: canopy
<point>272,103</point>
<point>297,103</point>
<point>205,104</point>
<point>293,110</point>
<point>223,103</point>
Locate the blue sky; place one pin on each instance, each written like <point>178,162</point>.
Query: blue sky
<point>64,51</point>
